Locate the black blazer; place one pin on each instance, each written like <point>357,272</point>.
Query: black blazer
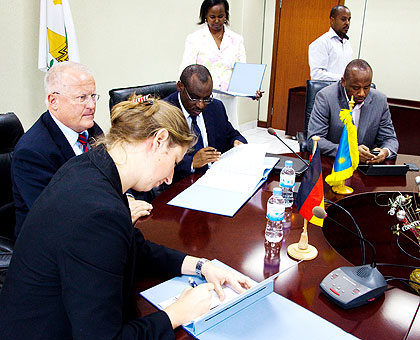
<point>72,272</point>
<point>220,132</point>
<point>41,151</point>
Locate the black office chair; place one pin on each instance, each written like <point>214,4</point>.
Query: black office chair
<point>160,90</point>
<point>312,88</point>
<point>10,132</point>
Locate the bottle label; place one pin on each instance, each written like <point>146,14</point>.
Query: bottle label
<point>287,181</point>
<point>275,212</point>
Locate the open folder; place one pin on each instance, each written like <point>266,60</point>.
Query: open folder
<point>246,79</point>
<point>258,313</point>
<point>229,182</point>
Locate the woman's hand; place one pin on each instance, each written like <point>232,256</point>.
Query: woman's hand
<point>258,95</point>
<point>138,208</point>
<point>218,277</point>
<point>192,303</point>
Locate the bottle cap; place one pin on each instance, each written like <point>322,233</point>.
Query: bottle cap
<point>277,191</point>
<point>289,163</point>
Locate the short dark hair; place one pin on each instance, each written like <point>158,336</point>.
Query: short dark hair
<point>357,63</point>
<point>202,73</point>
<point>207,4</point>
<point>336,9</point>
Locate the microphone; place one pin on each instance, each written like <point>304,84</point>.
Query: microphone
<point>322,214</point>
<point>351,287</point>
<point>272,132</point>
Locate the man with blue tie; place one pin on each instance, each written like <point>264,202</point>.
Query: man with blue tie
<point>206,116</point>
<point>62,132</point>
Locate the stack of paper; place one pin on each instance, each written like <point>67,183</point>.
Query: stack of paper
<point>229,182</point>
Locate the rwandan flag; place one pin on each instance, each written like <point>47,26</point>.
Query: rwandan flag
<point>311,190</point>
<point>347,158</point>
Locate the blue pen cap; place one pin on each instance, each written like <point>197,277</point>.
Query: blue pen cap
<point>289,163</point>
<point>277,191</point>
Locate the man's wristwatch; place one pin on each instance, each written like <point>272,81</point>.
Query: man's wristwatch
<point>199,265</point>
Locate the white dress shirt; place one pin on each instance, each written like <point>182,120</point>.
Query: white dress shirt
<point>355,115</point>
<point>71,136</point>
<point>329,56</point>
<point>200,123</point>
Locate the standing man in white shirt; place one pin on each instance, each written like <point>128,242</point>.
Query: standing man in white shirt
<point>331,52</point>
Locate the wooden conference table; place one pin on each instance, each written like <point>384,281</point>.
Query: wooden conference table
<point>239,242</point>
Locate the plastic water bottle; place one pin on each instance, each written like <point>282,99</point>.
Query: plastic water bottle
<point>275,216</point>
<point>287,182</point>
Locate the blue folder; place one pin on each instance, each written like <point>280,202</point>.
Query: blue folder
<point>245,80</point>
<point>259,313</point>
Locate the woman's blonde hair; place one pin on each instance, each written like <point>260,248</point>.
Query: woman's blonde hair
<point>132,121</point>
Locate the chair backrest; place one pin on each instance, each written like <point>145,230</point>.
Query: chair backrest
<point>160,90</point>
<point>312,88</point>
<point>10,132</point>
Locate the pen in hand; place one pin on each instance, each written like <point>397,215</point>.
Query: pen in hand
<point>211,150</point>
<point>192,282</point>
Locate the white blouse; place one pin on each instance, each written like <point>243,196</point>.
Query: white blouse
<point>200,48</point>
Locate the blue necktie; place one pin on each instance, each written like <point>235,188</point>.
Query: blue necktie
<point>200,144</point>
<point>83,140</point>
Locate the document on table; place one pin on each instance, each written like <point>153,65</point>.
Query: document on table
<point>229,182</point>
<point>257,313</point>
<point>230,294</point>
<point>239,169</point>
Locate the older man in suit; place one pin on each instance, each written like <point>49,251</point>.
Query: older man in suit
<point>206,117</point>
<point>62,132</point>
<point>375,131</point>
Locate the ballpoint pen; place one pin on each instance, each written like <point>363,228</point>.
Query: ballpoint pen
<point>192,282</point>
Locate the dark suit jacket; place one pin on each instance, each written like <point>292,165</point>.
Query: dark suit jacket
<point>220,132</point>
<point>41,151</point>
<point>74,262</point>
<point>375,125</point>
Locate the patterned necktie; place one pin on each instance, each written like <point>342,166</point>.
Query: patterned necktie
<point>200,144</point>
<point>83,141</point>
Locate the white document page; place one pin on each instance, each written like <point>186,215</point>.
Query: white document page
<point>240,169</point>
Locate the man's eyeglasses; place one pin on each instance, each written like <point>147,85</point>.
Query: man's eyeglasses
<point>83,99</point>
<point>205,100</point>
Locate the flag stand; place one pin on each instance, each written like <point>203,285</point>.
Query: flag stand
<point>303,250</point>
<point>342,189</point>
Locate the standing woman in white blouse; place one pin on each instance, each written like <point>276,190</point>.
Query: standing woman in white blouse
<point>215,46</point>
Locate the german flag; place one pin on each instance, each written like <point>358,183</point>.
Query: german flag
<point>311,190</point>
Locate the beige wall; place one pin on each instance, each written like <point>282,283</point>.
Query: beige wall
<point>390,44</point>
<point>131,42</point>
<point>124,43</point>
<point>21,85</point>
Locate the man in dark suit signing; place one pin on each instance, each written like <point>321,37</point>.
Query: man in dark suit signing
<point>62,132</point>
<point>206,116</point>
<point>371,116</point>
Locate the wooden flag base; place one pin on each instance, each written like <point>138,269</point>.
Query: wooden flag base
<point>302,250</point>
<point>342,189</point>
<point>302,254</point>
